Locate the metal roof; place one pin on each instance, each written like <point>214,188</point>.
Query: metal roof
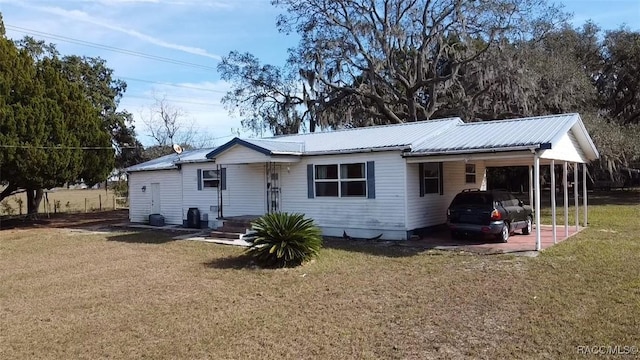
<point>444,136</point>
<point>161,163</point>
<point>170,161</point>
<point>498,134</point>
<point>374,137</point>
<point>199,155</point>
<point>278,146</point>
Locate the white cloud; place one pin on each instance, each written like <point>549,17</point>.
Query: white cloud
<point>83,16</point>
<point>214,4</point>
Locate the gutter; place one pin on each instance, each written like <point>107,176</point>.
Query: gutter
<point>357,151</point>
<point>154,169</point>
<point>532,148</point>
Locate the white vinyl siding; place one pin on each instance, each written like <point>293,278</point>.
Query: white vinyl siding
<point>206,200</point>
<point>170,195</point>
<point>566,149</point>
<point>431,209</point>
<point>239,154</point>
<point>358,216</point>
<point>246,190</point>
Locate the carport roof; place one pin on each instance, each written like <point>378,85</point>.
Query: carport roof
<point>539,132</point>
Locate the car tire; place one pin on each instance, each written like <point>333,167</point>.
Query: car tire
<point>529,227</point>
<point>455,235</point>
<point>503,236</point>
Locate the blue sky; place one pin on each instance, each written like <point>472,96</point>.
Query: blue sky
<point>197,33</point>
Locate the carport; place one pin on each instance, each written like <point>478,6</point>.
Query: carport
<point>536,142</point>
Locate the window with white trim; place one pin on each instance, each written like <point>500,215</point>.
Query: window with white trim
<point>341,180</point>
<point>470,173</point>
<point>431,178</point>
<point>210,179</point>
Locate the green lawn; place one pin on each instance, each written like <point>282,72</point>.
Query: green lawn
<point>140,295</point>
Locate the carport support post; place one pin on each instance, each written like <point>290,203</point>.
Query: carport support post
<point>553,200</point>
<point>584,192</point>
<point>575,194</point>
<point>531,187</point>
<point>565,192</point>
<point>536,175</point>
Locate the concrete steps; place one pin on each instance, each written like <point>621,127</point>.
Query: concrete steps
<point>226,235</point>
<point>232,229</point>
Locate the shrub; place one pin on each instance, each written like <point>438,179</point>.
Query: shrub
<point>284,240</point>
<point>20,203</point>
<point>6,207</point>
<point>120,188</point>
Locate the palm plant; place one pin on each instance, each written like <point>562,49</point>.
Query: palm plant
<point>284,240</point>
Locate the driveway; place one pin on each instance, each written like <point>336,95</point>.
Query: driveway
<point>517,242</point>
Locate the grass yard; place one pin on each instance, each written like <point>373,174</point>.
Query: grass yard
<point>68,200</point>
<point>66,294</point>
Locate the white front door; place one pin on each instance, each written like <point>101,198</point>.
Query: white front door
<point>155,198</point>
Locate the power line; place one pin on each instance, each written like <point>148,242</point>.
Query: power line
<point>108,48</point>
<point>60,147</point>
<point>174,85</point>
<point>173,100</point>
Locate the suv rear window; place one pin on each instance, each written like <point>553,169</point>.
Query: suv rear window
<point>472,199</point>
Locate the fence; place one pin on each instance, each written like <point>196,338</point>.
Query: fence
<point>70,201</point>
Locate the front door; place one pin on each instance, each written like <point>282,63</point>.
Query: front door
<point>155,198</point>
<point>273,187</point>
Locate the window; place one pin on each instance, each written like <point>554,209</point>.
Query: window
<point>353,180</point>
<point>431,178</point>
<point>344,180</point>
<point>210,179</point>
<point>470,173</point>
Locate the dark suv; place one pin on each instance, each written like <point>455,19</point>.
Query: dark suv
<point>493,212</point>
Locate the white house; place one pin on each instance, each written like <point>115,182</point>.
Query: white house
<point>394,180</point>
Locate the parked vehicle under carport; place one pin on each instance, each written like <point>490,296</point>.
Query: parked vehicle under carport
<point>493,212</point>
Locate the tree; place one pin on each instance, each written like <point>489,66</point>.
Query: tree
<point>524,78</point>
<point>618,81</point>
<point>265,96</point>
<point>49,124</point>
<point>401,56</point>
<point>364,62</point>
<point>167,124</point>
<point>50,131</point>
<point>105,92</point>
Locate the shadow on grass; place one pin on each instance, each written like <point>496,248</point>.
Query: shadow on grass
<point>375,247</point>
<point>440,240</point>
<point>238,262</point>
<point>87,221</point>
<point>142,237</point>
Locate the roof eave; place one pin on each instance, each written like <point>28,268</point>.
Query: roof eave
<point>237,141</point>
<point>532,148</point>
<point>194,161</point>
<point>356,151</point>
<point>128,171</point>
